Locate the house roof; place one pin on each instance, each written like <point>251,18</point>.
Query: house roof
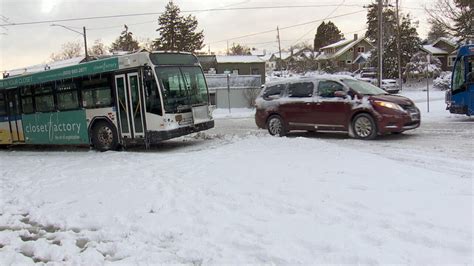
<point>451,42</point>
<point>266,57</point>
<point>348,44</point>
<point>337,44</point>
<point>238,59</point>
<point>284,55</point>
<point>433,50</point>
<point>258,52</point>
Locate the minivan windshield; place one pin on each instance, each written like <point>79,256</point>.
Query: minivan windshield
<point>363,87</point>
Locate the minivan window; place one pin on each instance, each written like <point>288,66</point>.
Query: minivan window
<point>300,90</point>
<point>326,88</point>
<point>273,92</point>
<point>363,88</point>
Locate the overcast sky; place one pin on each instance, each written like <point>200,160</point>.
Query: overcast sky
<point>22,46</point>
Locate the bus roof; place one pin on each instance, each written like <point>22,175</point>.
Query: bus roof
<point>77,68</point>
<point>87,68</point>
<point>466,50</point>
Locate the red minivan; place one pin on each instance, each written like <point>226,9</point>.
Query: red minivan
<point>333,103</point>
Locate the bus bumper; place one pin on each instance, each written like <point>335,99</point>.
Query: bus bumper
<point>158,136</point>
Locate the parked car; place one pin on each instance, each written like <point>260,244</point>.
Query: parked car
<point>339,104</point>
<point>390,86</point>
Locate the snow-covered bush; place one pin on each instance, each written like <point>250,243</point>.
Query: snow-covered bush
<point>443,82</point>
<point>418,65</point>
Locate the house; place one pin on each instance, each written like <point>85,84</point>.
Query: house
<point>443,49</point>
<point>241,65</point>
<point>345,55</point>
<point>208,63</point>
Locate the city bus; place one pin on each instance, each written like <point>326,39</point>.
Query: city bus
<point>460,97</point>
<point>135,99</point>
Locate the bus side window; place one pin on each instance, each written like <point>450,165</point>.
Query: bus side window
<point>67,96</point>
<point>27,100</point>
<point>458,75</point>
<point>96,93</point>
<point>3,106</point>
<point>44,98</point>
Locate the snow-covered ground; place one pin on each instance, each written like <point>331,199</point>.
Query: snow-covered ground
<point>235,195</point>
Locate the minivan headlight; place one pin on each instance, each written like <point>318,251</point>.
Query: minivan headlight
<point>389,105</point>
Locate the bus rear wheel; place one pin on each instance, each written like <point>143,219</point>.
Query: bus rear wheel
<point>104,136</point>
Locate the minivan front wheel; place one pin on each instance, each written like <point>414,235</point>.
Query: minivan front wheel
<point>276,126</point>
<point>364,127</point>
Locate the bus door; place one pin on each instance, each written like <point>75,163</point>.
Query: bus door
<point>14,116</point>
<point>129,105</point>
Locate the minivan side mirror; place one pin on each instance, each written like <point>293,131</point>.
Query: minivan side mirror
<point>340,94</point>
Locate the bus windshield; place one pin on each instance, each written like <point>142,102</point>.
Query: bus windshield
<point>182,87</point>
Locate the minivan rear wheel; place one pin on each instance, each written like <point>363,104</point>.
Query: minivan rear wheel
<point>276,126</point>
<point>364,127</point>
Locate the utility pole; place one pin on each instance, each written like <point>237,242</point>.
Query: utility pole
<point>83,33</point>
<point>428,62</point>
<point>380,42</point>
<point>209,49</point>
<point>279,48</point>
<point>399,56</point>
<point>85,43</point>
<point>227,47</point>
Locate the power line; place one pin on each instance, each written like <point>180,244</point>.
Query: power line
<point>330,14</point>
<point>287,27</point>
<point>159,13</point>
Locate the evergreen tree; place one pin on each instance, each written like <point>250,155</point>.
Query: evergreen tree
<point>409,40</point>
<point>455,16</point>
<point>326,34</point>
<point>389,23</point>
<point>238,49</point>
<point>178,33</point>
<point>125,42</point>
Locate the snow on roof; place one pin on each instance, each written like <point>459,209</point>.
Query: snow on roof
<point>266,57</point>
<point>238,59</point>
<point>322,56</point>
<point>258,52</point>
<point>44,67</point>
<point>337,44</point>
<point>450,41</point>
<point>433,50</point>
<point>363,56</point>
<point>348,46</point>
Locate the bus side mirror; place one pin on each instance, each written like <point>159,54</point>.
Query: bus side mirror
<point>470,77</point>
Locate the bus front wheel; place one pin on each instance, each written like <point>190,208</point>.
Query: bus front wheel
<point>104,136</point>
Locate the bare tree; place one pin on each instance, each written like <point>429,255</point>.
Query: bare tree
<point>250,95</point>
<point>68,50</point>
<point>99,48</point>
<point>146,43</point>
<point>455,16</point>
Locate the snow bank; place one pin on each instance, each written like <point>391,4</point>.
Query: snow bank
<point>234,113</point>
<point>255,200</point>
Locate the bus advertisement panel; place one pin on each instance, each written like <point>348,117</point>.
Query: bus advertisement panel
<point>56,128</point>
